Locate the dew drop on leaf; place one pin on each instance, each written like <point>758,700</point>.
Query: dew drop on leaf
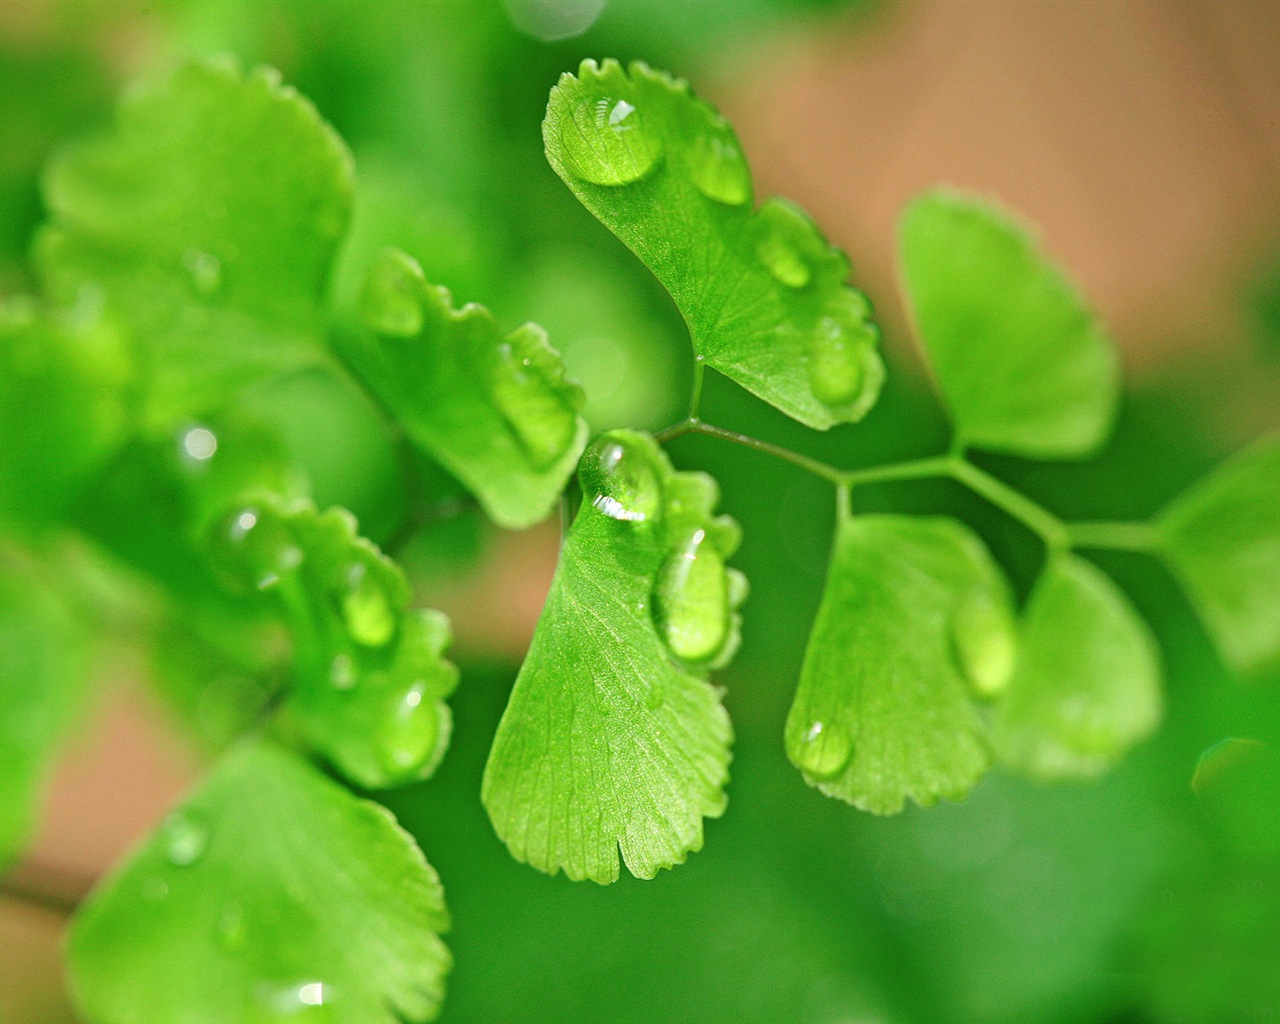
<point>983,642</point>
<point>782,259</point>
<point>836,371</point>
<point>620,481</point>
<point>824,751</point>
<point>540,418</point>
<point>408,735</point>
<point>233,933</point>
<point>608,142</point>
<point>309,1002</point>
<point>185,839</point>
<point>691,600</point>
<point>717,167</point>
<point>205,270</point>
<point>365,608</point>
<point>391,302</point>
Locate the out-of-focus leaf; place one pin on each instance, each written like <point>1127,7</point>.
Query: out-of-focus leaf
<point>1222,540</point>
<point>495,410</point>
<point>613,739</point>
<point>1022,364</point>
<point>915,614</point>
<point>1087,683</point>
<point>208,220</point>
<point>762,291</point>
<point>270,895</point>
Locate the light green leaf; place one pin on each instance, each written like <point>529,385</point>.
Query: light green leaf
<point>914,615</point>
<point>762,291</point>
<point>61,412</point>
<point>42,667</point>
<point>495,410</point>
<point>369,674</point>
<point>207,219</point>
<point>270,895</point>
<point>1023,365</point>
<point>1222,539</point>
<point>1087,684</point>
<point>613,738</point>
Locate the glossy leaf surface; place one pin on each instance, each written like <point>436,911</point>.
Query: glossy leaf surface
<point>613,740</point>
<point>762,291</point>
<point>270,895</point>
<point>914,615</point>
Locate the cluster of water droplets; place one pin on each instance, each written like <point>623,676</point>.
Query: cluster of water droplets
<point>258,547</point>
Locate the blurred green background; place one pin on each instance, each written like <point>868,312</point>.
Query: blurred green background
<point>1144,139</point>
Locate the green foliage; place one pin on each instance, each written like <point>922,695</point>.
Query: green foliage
<point>613,739</point>
<point>243,905</point>
<point>763,293</point>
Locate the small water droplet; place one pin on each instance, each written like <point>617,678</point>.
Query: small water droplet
<point>717,167</point>
<point>619,479</point>
<point>155,889</point>
<point>184,837</point>
<point>788,243</point>
<point>199,444</point>
<point>391,301</point>
<point>408,735</point>
<point>233,933</point>
<point>306,1002</point>
<point>242,522</point>
<point>205,270</point>
<point>366,609</point>
<point>836,369</point>
<point>691,599</point>
<point>537,405</point>
<point>983,642</point>
<point>823,751</point>
<point>342,672</point>
<point>608,141</point>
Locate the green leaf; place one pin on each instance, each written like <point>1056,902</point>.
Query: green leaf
<point>1022,364</point>
<point>613,738</point>
<point>207,220</point>
<point>1087,684</point>
<point>369,674</point>
<point>43,662</point>
<point>762,291</point>
<point>494,409</point>
<point>914,615</point>
<point>270,895</point>
<point>1222,539</point>
<point>61,413</point>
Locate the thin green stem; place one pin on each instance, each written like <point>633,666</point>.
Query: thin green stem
<point>695,395</point>
<point>1036,517</point>
<point>822,469</point>
<point>1114,536</point>
<point>917,469</point>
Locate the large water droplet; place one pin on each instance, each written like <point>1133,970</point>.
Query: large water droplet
<point>205,270</point>
<point>983,642</point>
<point>256,548</point>
<point>717,167</point>
<point>783,259</point>
<point>691,600</point>
<point>365,608</point>
<point>233,933</point>
<point>540,415</point>
<point>836,368</point>
<point>391,302</point>
<point>823,751</point>
<point>608,141</point>
<point>184,838</point>
<point>408,734</point>
<point>619,479</point>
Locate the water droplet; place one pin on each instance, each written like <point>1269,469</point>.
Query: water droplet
<point>608,141</point>
<point>184,838</point>
<point>532,397</point>
<point>983,642</point>
<point>1233,755</point>
<point>256,549</point>
<point>823,752</point>
<point>233,933</point>
<point>391,301</point>
<point>342,672</point>
<point>199,444</point>
<point>619,479</point>
<point>307,1002</point>
<point>783,261</point>
<point>155,889</point>
<point>205,270</point>
<point>365,608</point>
<point>408,735</point>
<point>691,600</point>
<point>717,167</point>
<point>836,372</point>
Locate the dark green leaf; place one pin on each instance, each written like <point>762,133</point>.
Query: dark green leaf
<point>1087,684</point>
<point>762,291</point>
<point>207,220</point>
<point>370,678</point>
<point>270,895</point>
<point>1022,364</point>
<point>915,613</point>
<point>613,738</point>
<point>1222,539</point>
<point>493,409</point>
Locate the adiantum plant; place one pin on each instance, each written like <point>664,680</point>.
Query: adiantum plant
<point>187,257</point>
